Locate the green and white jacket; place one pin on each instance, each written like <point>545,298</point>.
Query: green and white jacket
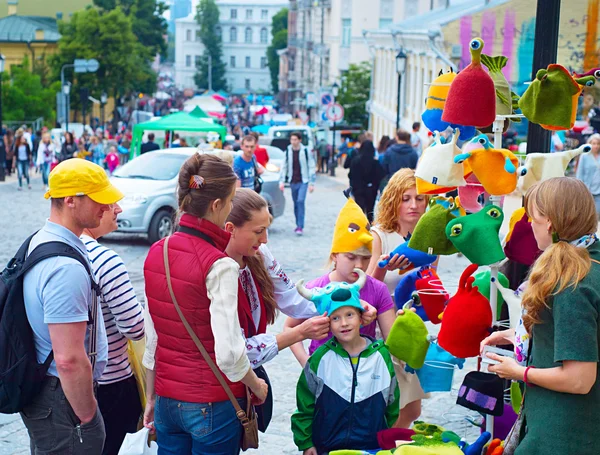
<point>343,402</point>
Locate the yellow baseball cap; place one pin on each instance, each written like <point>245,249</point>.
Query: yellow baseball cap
<point>79,177</point>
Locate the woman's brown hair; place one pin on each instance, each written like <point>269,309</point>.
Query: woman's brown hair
<point>218,183</point>
<point>246,203</point>
<point>570,207</point>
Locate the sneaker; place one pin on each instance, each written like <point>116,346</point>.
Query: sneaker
<point>299,231</point>
<point>29,186</point>
<point>20,189</point>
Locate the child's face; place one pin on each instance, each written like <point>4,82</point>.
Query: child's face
<point>345,263</point>
<point>345,323</point>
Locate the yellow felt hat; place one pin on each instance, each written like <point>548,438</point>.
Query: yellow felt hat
<point>77,177</point>
<point>352,231</point>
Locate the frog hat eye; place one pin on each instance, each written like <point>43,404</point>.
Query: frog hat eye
<point>456,230</point>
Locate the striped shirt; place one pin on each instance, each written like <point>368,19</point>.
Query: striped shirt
<point>123,316</point>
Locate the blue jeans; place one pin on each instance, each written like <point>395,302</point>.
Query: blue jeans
<point>197,428</point>
<point>45,172</point>
<point>299,196</point>
<point>23,171</point>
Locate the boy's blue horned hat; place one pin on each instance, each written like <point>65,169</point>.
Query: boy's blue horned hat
<point>335,295</point>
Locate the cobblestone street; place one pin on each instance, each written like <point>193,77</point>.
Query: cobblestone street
<point>302,257</point>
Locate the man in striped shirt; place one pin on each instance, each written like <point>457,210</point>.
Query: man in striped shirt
<point>123,317</point>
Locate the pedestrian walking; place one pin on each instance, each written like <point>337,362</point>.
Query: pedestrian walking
<point>398,212</point>
<point>68,149</point>
<point>10,152</point>
<point>261,153</point>
<point>415,139</point>
<point>399,155</point>
<point>561,304</point>
<point>118,396</point>
<point>21,161</point>
<point>97,150</point>
<point>298,170</point>
<point>46,156</point>
<point>588,169</point>
<point>365,176</point>
<point>246,166</point>
<point>324,151</point>
<point>63,311</point>
<point>188,275</point>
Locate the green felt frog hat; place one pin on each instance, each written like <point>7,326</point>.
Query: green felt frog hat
<point>428,235</point>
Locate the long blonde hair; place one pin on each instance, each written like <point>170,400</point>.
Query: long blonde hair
<point>386,217</point>
<point>570,207</point>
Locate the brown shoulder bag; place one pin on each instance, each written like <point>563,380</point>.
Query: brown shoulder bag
<point>247,418</point>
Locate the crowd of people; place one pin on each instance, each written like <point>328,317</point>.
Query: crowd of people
<point>213,288</point>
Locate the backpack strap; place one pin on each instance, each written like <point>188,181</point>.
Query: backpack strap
<point>49,250</point>
<point>195,233</point>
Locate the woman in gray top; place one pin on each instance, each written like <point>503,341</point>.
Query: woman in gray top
<point>588,169</point>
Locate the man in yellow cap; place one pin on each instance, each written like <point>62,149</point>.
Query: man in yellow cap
<point>64,312</point>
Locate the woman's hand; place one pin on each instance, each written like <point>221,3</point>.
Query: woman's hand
<point>498,338</point>
<point>369,315</point>
<point>315,328</point>
<point>149,414</point>
<point>507,368</point>
<point>259,391</point>
<point>311,451</point>
<point>400,312</point>
<point>397,262</point>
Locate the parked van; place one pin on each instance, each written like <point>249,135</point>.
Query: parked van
<point>280,136</point>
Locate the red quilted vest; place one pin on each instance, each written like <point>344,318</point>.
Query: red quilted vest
<point>181,372</point>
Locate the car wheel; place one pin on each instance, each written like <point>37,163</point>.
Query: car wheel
<point>161,226</point>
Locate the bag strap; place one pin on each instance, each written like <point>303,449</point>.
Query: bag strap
<point>593,260</point>
<point>195,233</point>
<point>239,412</point>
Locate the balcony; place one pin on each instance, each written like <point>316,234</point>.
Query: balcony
<point>309,45</point>
<point>322,50</point>
<point>293,41</point>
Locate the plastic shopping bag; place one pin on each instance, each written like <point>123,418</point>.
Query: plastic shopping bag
<point>135,350</point>
<point>137,444</point>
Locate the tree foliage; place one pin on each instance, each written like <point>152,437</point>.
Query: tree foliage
<point>207,16</point>
<point>24,97</point>
<point>354,93</point>
<point>279,31</point>
<point>148,23</point>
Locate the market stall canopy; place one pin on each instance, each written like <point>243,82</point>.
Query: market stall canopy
<point>207,103</point>
<point>180,121</point>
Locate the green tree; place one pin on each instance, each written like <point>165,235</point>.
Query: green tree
<point>207,15</point>
<point>279,31</point>
<point>24,97</point>
<point>148,23</point>
<point>354,93</point>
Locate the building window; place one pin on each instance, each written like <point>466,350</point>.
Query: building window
<point>188,35</point>
<point>247,62</point>
<point>233,14</point>
<point>219,32</point>
<point>197,60</point>
<point>188,60</point>
<point>411,8</point>
<point>197,35</point>
<point>232,61</point>
<point>248,35</point>
<point>59,15</point>
<point>247,84</point>
<point>233,35</point>
<point>264,37</point>
<point>385,23</point>
<point>248,14</point>
<point>263,62</point>
<point>346,32</point>
<point>386,9</point>
<point>264,13</point>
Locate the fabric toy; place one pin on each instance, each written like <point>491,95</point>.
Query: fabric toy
<point>417,258</point>
<point>504,423</point>
<point>429,444</point>
<point>405,287</point>
<point>593,72</point>
<point>507,101</point>
<point>438,370</point>
<point>438,168</point>
<point>428,235</point>
<point>482,392</point>
<point>466,320</point>
<point>494,168</point>
<point>427,429</point>
<point>350,452</point>
<point>549,99</point>
<point>432,295</point>
<point>482,281</point>
<point>472,81</point>
<point>408,339</point>
<point>387,438</point>
<point>476,235</point>
<point>451,436</point>
<point>434,107</point>
<point>335,295</point>
<point>351,232</point>
<point>512,299</point>
<point>495,444</point>
<point>543,166</point>
<point>477,447</point>
<point>516,396</point>
<point>469,195</point>
<point>520,244</point>
<point>454,205</point>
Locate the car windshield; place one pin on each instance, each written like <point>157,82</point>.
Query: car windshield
<point>152,166</point>
<point>285,134</point>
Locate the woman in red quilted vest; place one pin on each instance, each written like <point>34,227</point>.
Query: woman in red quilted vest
<point>193,414</point>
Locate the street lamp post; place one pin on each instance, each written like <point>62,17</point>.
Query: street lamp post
<point>335,89</point>
<point>2,145</point>
<point>66,91</point>
<point>103,99</point>
<point>400,68</point>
